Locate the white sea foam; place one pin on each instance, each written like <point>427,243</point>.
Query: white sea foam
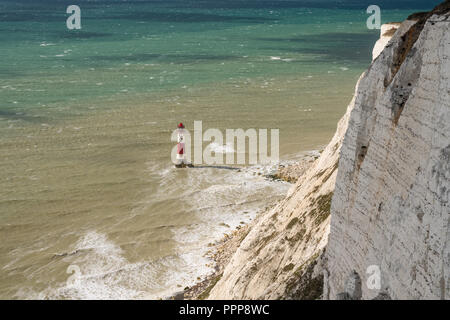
<point>100,262</point>
<point>9,87</point>
<point>104,273</point>
<point>226,148</point>
<point>221,199</point>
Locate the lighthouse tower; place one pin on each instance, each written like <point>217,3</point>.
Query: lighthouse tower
<point>181,154</point>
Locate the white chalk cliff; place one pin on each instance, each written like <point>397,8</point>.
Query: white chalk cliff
<point>387,31</point>
<point>390,207</point>
<point>386,175</point>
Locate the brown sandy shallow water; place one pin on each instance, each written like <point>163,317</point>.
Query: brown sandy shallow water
<point>93,186</point>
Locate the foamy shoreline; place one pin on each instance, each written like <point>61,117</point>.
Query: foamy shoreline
<point>223,249</point>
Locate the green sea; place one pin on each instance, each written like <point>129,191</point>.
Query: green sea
<point>87,187</point>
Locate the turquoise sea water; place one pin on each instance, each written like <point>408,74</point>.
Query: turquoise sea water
<point>86,117</point>
<point>163,45</point>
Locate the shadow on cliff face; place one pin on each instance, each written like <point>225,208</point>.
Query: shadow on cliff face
<point>406,49</point>
<point>408,40</point>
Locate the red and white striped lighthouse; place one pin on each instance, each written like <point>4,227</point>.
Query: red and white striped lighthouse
<point>181,145</point>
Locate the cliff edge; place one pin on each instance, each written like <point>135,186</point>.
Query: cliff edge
<point>390,214</point>
<point>375,203</point>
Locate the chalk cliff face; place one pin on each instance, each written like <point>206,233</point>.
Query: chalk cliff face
<point>388,166</point>
<point>282,256</point>
<point>286,243</point>
<point>386,33</point>
<point>390,207</point>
